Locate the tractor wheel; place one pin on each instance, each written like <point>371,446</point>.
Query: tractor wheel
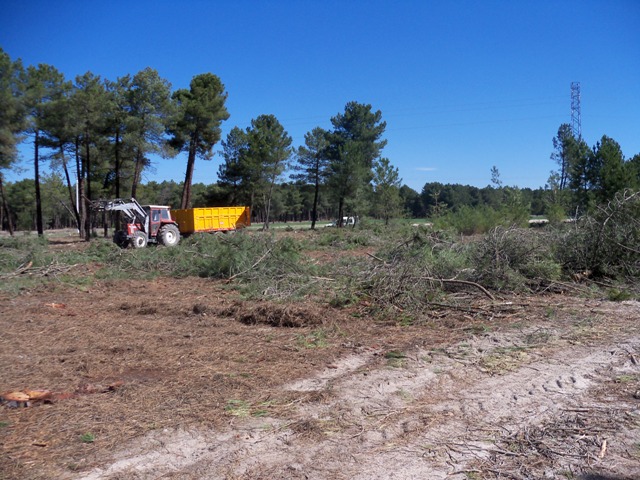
<point>169,235</point>
<point>120,239</point>
<point>139,240</point>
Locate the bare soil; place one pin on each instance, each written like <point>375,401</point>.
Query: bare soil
<point>181,378</point>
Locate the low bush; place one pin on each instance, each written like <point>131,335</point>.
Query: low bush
<point>605,243</point>
<point>20,250</point>
<point>479,220</point>
<point>345,238</point>
<point>468,220</point>
<point>259,263</point>
<point>514,259</point>
<point>407,275</point>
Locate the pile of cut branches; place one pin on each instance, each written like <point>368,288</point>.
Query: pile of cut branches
<point>607,243</point>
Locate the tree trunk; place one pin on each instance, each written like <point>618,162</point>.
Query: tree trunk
<point>76,213</point>
<point>36,168</point>
<point>314,211</point>
<point>80,200</point>
<point>268,208</point>
<point>117,220</point>
<point>188,178</point>
<point>87,198</point>
<point>5,209</point>
<point>117,162</point>
<point>137,172</point>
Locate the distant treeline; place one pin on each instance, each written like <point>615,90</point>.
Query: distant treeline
<point>291,201</point>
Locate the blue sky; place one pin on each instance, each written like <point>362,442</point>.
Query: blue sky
<point>462,85</point>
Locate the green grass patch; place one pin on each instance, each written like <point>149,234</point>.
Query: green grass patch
<point>616,295</point>
<point>242,408</point>
<point>314,339</point>
<point>503,360</point>
<point>87,437</point>
<point>395,358</point>
<point>237,408</point>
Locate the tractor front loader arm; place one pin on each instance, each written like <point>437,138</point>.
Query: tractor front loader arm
<point>131,209</point>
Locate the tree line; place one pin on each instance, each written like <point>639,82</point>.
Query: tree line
<point>587,176</point>
<point>98,136</point>
<point>291,202</point>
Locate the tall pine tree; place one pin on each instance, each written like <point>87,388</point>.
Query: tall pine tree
<point>44,84</point>
<point>196,129</point>
<point>355,143</point>
<point>312,165</point>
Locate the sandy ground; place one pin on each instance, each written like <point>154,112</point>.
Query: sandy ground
<point>545,401</point>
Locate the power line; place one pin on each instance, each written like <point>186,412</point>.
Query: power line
<point>576,117</point>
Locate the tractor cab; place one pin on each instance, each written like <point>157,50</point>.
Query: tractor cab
<point>159,215</point>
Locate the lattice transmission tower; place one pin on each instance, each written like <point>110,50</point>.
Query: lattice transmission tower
<point>576,122</point>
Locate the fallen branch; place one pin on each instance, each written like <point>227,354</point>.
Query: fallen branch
<point>603,448</point>
<point>462,282</point>
<point>21,269</point>
<point>458,307</point>
<point>362,431</point>
<point>376,258</point>
<point>568,285</point>
<point>203,255</point>
<point>250,268</point>
<point>483,449</point>
<point>47,270</point>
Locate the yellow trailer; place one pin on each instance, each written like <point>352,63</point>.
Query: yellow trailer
<point>211,219</point>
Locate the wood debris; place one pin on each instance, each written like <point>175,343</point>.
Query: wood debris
<point>24,398</point>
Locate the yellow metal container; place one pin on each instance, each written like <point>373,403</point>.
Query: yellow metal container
<point>211,219</point>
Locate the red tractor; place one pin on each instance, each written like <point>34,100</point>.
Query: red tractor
<point>146,224</point>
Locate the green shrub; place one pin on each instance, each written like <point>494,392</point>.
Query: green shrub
<point>101,250</point>
<point>616,295</point>
<point>606,242</point>
<point>346,238</point>
<point>555,214</point>
<point>25,241</point>
<point>404,276</point>
<point>513,258</point>
<point>19,250</point>
<point>469,220</point>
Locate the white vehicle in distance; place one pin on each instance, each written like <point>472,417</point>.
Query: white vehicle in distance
<point>346,222</point>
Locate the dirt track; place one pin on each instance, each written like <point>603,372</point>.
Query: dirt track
<point>535,388</point>
<point>433,415</point>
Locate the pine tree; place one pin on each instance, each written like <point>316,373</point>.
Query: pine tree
<point>196,129</point>
<point>150,107</point>
<point>44,84</point>
<point>269,147</point>
<point>386,183</point>
<point>12,123</point>
<point>313,165</point>
<point>354,144</point>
